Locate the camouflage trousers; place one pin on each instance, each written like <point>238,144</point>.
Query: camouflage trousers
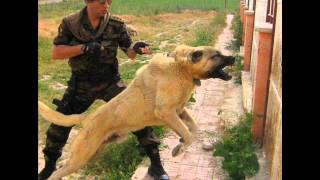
<point>78,97</point>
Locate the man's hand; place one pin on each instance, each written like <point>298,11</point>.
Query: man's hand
<point>92,48</point>
<point>141,48</point>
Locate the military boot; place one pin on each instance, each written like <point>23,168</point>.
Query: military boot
<point>155,170</point>
<point>49,168</point>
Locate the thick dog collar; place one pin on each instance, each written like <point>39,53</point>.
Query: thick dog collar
<point>197,82</point>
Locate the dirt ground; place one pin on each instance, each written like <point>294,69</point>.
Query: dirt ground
<point>47,28</point>
<point>150,25</point>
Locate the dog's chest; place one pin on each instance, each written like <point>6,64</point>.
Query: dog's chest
<point>185,98</point>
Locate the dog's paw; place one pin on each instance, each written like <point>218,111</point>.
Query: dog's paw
<point>177,150</point>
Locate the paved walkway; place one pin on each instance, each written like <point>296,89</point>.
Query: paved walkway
<point>196,163</point>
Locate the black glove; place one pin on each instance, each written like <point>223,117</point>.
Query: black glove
<point>139,45</point>
<point>92,48</point>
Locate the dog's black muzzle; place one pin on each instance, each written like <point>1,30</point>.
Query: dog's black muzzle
<point>218,72</point>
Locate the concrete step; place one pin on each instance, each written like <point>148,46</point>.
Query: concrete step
<point>263,173</point>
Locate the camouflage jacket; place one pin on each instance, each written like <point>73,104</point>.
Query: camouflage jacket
<point>111,33</point>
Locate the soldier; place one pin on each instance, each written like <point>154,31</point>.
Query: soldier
<point>90,39</point>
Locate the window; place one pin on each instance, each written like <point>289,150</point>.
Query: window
<point>270,11</point>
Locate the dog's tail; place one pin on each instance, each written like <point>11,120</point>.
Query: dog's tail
<point>59,118</point>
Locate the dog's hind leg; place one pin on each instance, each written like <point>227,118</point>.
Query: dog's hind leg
<point>63,171</point>
<point>82,149</point>
<point>114,138</point>
<point>108,140</point>
<point>121,138</point>
<point>98,152</point>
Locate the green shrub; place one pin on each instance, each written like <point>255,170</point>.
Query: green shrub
<point>237,68</point>
<point>237,33</point>
<point>237,148</point>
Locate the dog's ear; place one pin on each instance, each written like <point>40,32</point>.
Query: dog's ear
<point>196,56</point>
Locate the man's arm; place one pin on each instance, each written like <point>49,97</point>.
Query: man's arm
<point>126,44</point>
<point>61,48</point>
<point>133,51</point>
<point>66,51</point>
<point>131,54</point>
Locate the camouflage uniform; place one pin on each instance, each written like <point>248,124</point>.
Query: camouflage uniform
<point>92,78</point>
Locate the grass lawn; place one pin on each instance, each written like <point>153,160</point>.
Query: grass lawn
<point>140,7</point>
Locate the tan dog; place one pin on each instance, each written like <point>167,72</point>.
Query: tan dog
<point>156,96</point>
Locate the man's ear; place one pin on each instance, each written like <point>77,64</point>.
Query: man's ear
<point>196,56</point>
<point>172,54</point>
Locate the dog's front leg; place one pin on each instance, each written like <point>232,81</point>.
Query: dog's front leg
<point>189,121</point>
<point>166,111</point>
<point>172,119</point>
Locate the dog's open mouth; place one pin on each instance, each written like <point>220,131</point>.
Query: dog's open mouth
<point>220,71</point>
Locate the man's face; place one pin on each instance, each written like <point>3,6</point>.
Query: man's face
<point>99,7</point>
